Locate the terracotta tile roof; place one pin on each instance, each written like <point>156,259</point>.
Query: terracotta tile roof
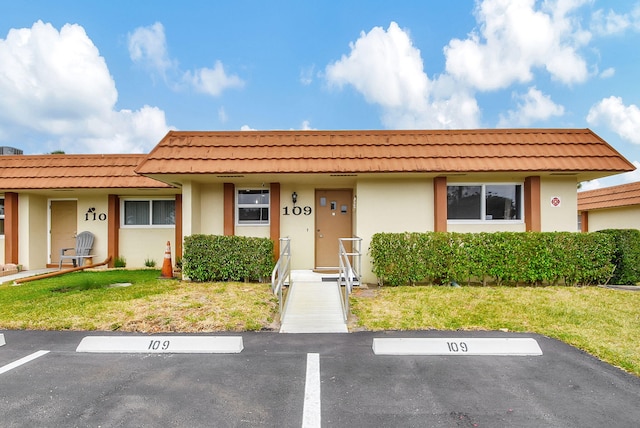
<point>439,151</point>
<point>609,197</point>
<point>73,172</point>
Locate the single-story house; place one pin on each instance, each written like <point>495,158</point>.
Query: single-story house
<point>311,186</point>
<point>615,207</point>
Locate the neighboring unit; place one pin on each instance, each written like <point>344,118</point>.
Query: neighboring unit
<point>615,207</point>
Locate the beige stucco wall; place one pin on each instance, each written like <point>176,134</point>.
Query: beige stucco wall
<point>391,206</point>
<point>212,209</point>
<point>202,209</point>
<point>300,228</point>
<point>261,231</point>
<point>98,224</point>
<point>140,244</point>
<point>563,217</point>
<point>614,218</point>
<point>486,226</point>
<point>190,208</point>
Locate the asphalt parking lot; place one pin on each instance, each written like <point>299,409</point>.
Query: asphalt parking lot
<point>329,380</point>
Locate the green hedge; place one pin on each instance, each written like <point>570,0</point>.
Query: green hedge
<point>502,257</point>
<point>227,258</point>
<point>626,256</point>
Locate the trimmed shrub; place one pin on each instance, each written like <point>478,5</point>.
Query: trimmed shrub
<point>391,253</point>
<point>227,258</point>
<point>533,258</point>
<point>627,255</point>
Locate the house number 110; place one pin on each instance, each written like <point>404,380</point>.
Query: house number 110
<point>296,210</point>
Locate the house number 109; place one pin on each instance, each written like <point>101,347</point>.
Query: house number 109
<point>457,347</point>
<point>296,210</point>
<point>156,344</point>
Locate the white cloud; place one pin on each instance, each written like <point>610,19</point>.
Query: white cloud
<point>394,76</point>
<point>55,86</point>
<point>514,39</point>
<point>212,81</point>
<point>126,132</point>
<point>148,47</point>
<point>48,75</point>
<point>609,72</point>
<point>614,180</point>
<point>387,70</point>
<point>621,119</point>
<point>532,106</point>
<point>306,75</point>
<point>222,115</point>
<point>590,185</point>
<point>306,126</point>
<point>632,176</point>
<point>610,23</point>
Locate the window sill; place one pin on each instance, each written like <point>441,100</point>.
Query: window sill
<point>485,221</point>
<point>146,226</point>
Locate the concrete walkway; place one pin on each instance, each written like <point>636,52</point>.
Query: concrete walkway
<point>25,274</point>
<point>622,287</point>
<point>313,306</point>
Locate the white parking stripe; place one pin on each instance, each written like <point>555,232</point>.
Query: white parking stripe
<point>311,411</point>
<point>2,342</point>
<point>22,361</point>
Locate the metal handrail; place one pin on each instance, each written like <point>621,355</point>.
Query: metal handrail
<point>281,273</point>
<point>347,273</point>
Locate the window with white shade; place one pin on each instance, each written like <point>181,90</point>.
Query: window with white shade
<point>148,212</point>
<point>252,206</point>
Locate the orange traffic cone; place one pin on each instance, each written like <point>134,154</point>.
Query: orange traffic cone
<point>167,269</point>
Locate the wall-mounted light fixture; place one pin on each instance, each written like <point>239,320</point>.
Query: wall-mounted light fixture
<point>294,197</point>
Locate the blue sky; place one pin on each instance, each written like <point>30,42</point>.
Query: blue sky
<point>114,76</point>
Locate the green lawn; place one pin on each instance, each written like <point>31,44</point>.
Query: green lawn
<point>104,301</point>
<point>601,321</point>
